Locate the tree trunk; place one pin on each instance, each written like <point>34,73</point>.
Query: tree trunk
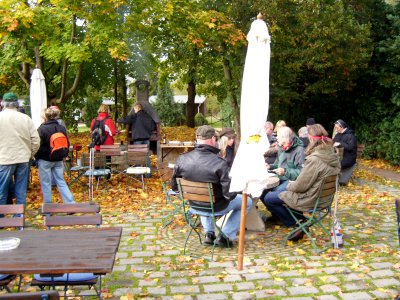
<point>124,90</point>
<point>116,90</point>
<point>25,72</point>
<point>65,94</point>
<point>232,93</point>
<point>190,105</point>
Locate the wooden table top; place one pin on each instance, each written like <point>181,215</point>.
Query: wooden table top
<point>181,145</point>
<point>272,182</point>
<point>61,251</point>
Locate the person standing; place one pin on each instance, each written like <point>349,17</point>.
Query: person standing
<point>203,164</point>
<point>48,168</point>
<point>345,138</point>
<point>58,117</point>
<point>142,125</point>
<point>109,125</point>
<point>19,141</point>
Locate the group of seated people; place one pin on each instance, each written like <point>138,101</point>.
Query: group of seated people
<point>301,171</point>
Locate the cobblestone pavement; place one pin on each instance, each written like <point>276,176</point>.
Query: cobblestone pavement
<point>150,262</point>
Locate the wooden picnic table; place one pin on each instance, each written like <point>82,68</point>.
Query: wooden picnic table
<point>169,152</point>
<point>88,250</point>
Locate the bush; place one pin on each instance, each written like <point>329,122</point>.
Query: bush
<point>200,120</point>
<point>170,113</point>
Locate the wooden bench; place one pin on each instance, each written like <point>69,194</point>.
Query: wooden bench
<point>13,216</point>
<point>56,214</point>
<point>44,295</point>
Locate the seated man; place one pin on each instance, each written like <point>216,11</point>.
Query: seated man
<point>270,155</point>
<point>203,164</point>
<point>345,138</point>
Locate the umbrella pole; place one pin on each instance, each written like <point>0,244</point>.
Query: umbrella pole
<point>242,232</point>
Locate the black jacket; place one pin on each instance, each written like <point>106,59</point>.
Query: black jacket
<point>348,141</point>
<point>204,165</point>
<point>45,131</point>
<point>142,125</point>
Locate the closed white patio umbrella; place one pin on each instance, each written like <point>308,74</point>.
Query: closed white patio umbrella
<point>249,172</point>
<point>38,96</point>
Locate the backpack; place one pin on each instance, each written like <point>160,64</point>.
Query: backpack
<point>99,133</point>
<point>58,146</point>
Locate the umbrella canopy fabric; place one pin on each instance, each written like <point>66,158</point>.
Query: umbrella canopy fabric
<point>249,172</point>
<point>38,96</point>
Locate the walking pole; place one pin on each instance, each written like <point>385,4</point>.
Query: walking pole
<point>242,232</point>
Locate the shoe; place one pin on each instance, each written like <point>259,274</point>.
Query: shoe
<point>295,236</point>
<point>209,238</point>
<point>224,242</point>
<point>271,220</point>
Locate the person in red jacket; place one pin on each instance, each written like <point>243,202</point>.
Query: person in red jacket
<point>110,128</point>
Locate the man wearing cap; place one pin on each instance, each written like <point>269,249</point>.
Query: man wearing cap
<point>204,165</point>
<point>345,138</point>
<point>19,141</point>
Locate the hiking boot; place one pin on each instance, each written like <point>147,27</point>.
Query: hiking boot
<point>271,220</point>
<point>224,242</point>
<point>209,238</point>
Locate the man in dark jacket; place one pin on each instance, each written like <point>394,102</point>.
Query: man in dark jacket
<point>204,165</point>
<point>142,125</point>
<point>345,138</point>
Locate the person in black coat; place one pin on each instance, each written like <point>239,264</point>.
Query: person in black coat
<point>204,165</point>
<point>142,125</point>
<point>346,139</point>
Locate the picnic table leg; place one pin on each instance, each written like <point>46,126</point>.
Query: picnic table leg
<point>242,232</point>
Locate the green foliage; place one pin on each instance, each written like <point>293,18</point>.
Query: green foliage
<point>93,102</point>
<point>170,113</point>
<point>200,120</point>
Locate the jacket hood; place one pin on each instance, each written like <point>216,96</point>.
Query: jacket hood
<point>327,155</point>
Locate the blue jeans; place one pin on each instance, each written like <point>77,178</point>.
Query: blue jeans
<point>232,224</point>
<point>275,205</point>
<point>21,174</point>
<point>141,142</point>
<point>49,170</point>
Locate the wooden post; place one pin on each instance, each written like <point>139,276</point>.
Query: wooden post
<point>242,232</point>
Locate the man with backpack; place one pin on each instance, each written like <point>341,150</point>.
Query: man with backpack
<point>54,147</point>
<point>102,128</point>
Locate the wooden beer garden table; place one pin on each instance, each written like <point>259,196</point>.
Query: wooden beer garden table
<point>88,250</point>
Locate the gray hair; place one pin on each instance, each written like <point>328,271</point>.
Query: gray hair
<point>10,104</point>
<point>303,132</point>
<point>286,134</point>
<point>269,124</point>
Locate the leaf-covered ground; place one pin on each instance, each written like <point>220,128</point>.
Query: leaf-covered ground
<point>150,264</point>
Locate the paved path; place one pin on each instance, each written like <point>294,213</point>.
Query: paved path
<point>150,263</point>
